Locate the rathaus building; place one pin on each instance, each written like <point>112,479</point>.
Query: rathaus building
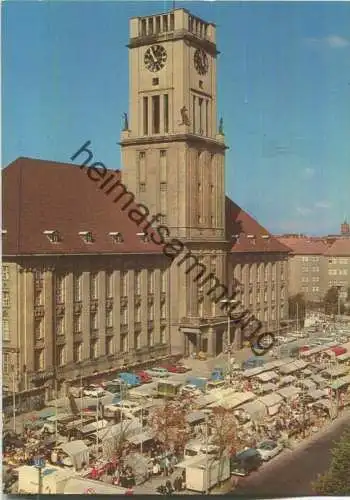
<point>86,288</point>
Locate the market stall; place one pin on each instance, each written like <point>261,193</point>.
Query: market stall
<point>77,454</point>
<point>272,402</point>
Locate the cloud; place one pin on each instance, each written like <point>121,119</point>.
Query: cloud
<point>323,204</point>
<point>308,172</point>
<point>330,41</point>
<point>303,211</point>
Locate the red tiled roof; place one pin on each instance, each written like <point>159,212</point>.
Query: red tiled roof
<point>250,236</point>
<point>341,247</point>
<point>42,195</point>
<point>304,245</point>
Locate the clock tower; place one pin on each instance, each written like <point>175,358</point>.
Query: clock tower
<point>173,155</point>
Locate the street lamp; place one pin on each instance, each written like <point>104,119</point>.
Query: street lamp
<point>227,302</point>
<point>39,463</point>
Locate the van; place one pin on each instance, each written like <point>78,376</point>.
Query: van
<point>245,462</point>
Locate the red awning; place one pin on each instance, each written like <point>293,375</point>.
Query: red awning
<point>338,350</point>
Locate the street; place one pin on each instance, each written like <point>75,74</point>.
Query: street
<point>293,473</point>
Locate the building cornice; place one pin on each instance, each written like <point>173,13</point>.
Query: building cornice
<point>198,140</point>
<point>182,34</point>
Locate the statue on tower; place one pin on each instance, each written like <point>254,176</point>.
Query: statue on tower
<point>184,116</point>
<point>126,122</point>
<point>221,126</point>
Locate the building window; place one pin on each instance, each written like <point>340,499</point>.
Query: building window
<point>332,272</point>
<point>273,314</point>
<point>273,271</point>
<point>124,283</point>
<point>266,315</point>
<point>60,289</point>
<point>163,310</point>
<point>77,352</point>
<point>163,335</point>
<point>109,318</point>
<point>137,276</point>
<point>93,350</point>
<point>38,328</point>
<point>315,288</point>
<point>315,269</point>
<point>142,187</point>
<point>93,321</point>
<point>260,271</point>
<point>265,296</point>
<point>200,104</point>
<point>150,339</point>
<point>138,314</point>
<point>109,285</point>
<point>145,116</point>
<point>61,355</point>
<point>305,279</point>
<point>77,323</point>
<point>60,325</point>
<point>124,316</point>
<point>305,288</point>
<point>166,113</point>
<point>163,186</point>
<point>124,342</point>
<point>137,340</point>
<point>163,281</point>
<point>206,118</point>
<point>143,27</point>
<point>343,272</point>
<point>38,297</point>
<point>5,328</point>
<point>5,273</point>
<point>172,22</point>
<point>93,286</point>
<point>150,283</point>
<point>155,114</point>
<point>250,298</point>
<point>6,362</point>
<point>39,360</point>
<point>5,298</point>
<point>282,313</point>
<point>150,26</point>
<point>194,114</point>
<point>77,287</point>
<point>315,259</point>
<point>305,259</point>
<point>251,275</point>
<point>315,279</point>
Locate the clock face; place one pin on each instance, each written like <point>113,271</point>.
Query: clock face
<point>201,62</point>
<point>155,58</point>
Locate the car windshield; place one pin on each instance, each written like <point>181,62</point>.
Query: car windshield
<point>266,446</point>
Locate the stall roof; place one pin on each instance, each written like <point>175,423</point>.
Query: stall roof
<point>309,384</point>
<point>288,379</point>
<point>267,376</point>
<point>205,400</point>
<point>318,379</point>
<point>338,350</point>
<point>255,408</point>
<point>127,426</point>
<point>293,367</point>
<point>337,371</point>
<point>338,384</point>
<point>271,400</point>
<point>318,349</point>
<point>317,394</point>
<point>344,357</point>
<point>195,416</point>
<point>46,413</point>
<point>73,447</point>
<point>144,436</point>
<point>269,387</point>
<point>289,391</point>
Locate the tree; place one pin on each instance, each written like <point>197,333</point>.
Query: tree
<point>223,425</point>
<point>331,301</point>
<point>170,425</point>
<point>297,308</point>
<point>336,481</point>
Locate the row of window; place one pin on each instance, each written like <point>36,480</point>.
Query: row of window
<point>262,272</point>
<point>5,273</point>
<point>157,24</point>
<point>313,258</point>
<point>306,288</point>
<point>338,260</point>
<point>314,279</point>
<point>152,107</point>
<point>340,272</point>
<point>314,269</point>
<point>338,283</point>
<point>60,286</point>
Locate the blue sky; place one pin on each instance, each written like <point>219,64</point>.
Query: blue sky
<point>283,91</point>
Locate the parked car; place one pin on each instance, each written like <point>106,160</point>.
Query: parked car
<point>175,368</point>
<point>245,462</point>
<point>94,391</point>
<point>269,449</point>
<point>144,377</point>
<point>191,390</point>
<point>158,372</point>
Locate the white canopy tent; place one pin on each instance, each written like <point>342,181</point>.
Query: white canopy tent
<point>77,452</point>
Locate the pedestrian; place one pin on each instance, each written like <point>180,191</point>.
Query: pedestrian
<point>169,488</point>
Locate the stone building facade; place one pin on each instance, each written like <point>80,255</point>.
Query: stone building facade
<point>86,288</point>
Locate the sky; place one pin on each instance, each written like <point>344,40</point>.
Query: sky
<point>283,92</point>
